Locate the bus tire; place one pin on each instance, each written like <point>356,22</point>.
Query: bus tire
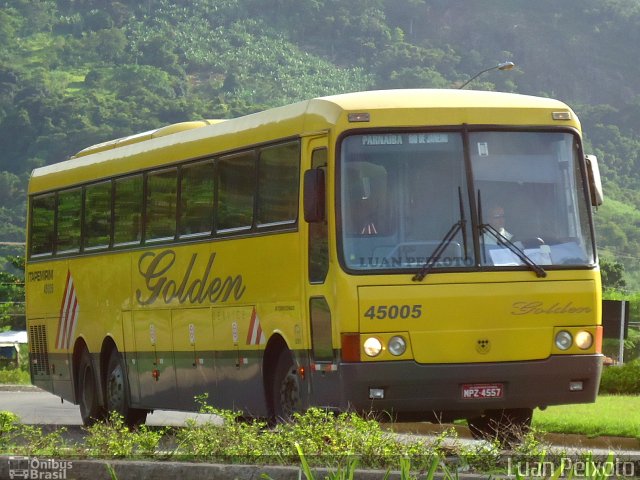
<point>118,397</point>
<point>508,426</point>
<point>286,389</point>
<point>90,409</point>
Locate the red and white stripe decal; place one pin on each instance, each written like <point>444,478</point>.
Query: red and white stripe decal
<point>255,335</point>
<point>69,311</point>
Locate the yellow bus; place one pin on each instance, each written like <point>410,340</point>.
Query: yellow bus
<point>427,253</point>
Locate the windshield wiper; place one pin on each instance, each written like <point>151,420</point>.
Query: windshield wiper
<point>460,225</point>
<point>505,242</point>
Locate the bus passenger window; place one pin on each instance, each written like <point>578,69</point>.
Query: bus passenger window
<point>42,224</point>
<point>236,190</point>
<point>128,204</point>
<point>278,180</point>
<point>162,195</point>
<point>69,215</point>
<point>196,199</point>
<point>97,216</point>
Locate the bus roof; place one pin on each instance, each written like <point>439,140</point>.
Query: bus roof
<point>395,108</point>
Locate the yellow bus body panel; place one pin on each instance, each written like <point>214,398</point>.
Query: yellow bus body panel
<point>217,284</point>
<point>515,320</point>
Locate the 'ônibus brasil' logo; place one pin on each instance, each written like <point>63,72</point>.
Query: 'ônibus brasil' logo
<point>156,271</point>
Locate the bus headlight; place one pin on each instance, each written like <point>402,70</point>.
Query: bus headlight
<point>584,340</point>
<point>397,346</point>
<point>372,346</point>
<point>563,340</point>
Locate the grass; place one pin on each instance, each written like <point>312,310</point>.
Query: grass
<point>17,376</point>
<point>14,376</point>
<point>611,415</point>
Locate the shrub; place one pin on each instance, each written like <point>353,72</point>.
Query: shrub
<point>113,438</point>
<point>624,379</point>
<point>14,376</point>
<point>8,423</point>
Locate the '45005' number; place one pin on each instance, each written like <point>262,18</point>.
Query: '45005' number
<point>382,312</point>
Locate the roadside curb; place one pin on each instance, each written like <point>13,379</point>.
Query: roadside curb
<point>152,470</point>
<point>18,388</point>
<point>562,440</point>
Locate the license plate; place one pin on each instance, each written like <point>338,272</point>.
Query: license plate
<point>482,390</point>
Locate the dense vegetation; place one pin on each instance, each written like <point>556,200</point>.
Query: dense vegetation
<point>78,72</point>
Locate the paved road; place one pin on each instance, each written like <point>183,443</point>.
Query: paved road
<point>36,407</point>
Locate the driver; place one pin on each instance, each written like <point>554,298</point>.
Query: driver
<point>497,221</point>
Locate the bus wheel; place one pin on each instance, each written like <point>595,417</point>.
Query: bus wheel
<point>118,398</point>
<point>507,426</point>
<point>286,389</point>
<point>90,409</point>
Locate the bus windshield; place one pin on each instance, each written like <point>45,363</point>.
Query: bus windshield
<point>406,195</point>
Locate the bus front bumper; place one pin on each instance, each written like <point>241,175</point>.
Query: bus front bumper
<point>417,390</point>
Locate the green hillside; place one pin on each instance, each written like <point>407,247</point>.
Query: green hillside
<point>78,72</point>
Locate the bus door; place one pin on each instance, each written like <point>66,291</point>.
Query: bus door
<point>323,355</point>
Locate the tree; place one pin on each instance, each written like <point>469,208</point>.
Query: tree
<point>612,274</point>
<point>12,313</point>
<point>11,190</point>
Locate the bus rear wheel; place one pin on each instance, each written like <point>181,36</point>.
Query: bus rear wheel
<point>286,389</point>
<point>90,409</point>
<point>506,425</point>
<point>118,398</point>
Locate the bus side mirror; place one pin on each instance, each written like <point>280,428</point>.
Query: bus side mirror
<point>595,182</point>
<point>314,195</point>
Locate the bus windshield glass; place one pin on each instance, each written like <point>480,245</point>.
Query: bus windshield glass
<point>405,196</point>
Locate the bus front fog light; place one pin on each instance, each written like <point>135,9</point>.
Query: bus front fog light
<point>576,386</point>
<point>397,346</point>
<point>372,346</point>
<point>584,340</point>
<point>376,393</point>
<point>563,340</point>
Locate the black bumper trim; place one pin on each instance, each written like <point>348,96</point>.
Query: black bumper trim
<point>410,387</point>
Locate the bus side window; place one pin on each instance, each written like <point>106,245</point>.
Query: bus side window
<point>318,232</point>
<point>43,209</point>
<point>128,204</point>
<point>162,196</point>
<point>69,220</point>
<point>278,180</point>
<point>236,175</point>
<point>97,216</point>
<point>196,198</point>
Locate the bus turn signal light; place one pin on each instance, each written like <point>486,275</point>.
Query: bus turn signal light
<point>350,343</point>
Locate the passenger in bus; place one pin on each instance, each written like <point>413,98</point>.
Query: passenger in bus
<point>364,206</point>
